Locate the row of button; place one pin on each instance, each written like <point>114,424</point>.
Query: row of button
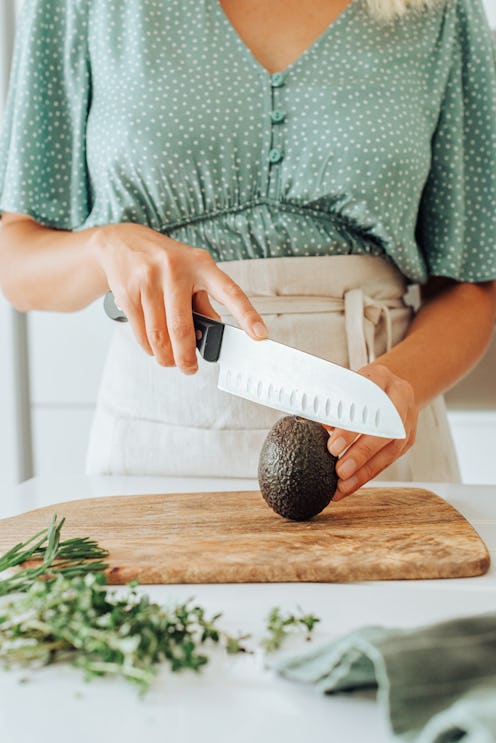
<point>277,116</point>
<point>277,79</point>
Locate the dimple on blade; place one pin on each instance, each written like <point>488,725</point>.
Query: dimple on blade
<point>322,409</point>
<point>298,383</point>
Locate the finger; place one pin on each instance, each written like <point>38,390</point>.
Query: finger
<point>365,448</point>
<point>201,304</point>
<point>230,294</point>
<point>373,467</point>
<point>178,310</point>
<point>340,440</point>
<point>361,451</point>
<point>152,300</point>
<point>401,397</point>
<point>356,466</point>
<point>386,455</point>
<point>134,313</point>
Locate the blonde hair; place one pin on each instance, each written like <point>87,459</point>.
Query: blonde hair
<point>389,10</point>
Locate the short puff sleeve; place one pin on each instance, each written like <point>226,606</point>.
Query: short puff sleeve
<point>456,228</point>
<point>43,170</point>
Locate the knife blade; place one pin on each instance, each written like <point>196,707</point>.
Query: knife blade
<point>287,379</point>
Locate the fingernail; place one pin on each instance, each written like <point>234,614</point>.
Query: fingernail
<point>346,468</point>
<point>260,330</point>
<point>191,370</point>
<point>336,446</point>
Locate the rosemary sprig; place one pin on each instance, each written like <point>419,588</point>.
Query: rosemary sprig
<point>72,557</point>
<point>279,626</point>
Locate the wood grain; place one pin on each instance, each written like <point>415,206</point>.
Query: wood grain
<point>233,537</point>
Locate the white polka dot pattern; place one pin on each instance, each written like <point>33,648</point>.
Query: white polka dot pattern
<point>376,140</point>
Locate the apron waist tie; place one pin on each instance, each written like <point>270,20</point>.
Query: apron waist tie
<point>361,313</point>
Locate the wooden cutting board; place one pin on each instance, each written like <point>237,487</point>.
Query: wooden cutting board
<point>233,537</point>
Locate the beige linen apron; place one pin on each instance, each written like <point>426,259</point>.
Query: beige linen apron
<point>349,309</point>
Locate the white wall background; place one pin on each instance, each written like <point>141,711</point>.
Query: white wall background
<point>66,358</point>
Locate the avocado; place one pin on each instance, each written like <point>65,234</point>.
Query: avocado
<point>296,472</point>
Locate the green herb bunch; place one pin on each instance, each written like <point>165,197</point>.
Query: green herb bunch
<point>104,634</point>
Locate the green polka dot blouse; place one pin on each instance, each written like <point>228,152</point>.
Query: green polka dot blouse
<point>376,140</point>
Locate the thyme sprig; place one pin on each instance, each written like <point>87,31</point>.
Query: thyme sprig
<point>106,634</point>
<point>72,557</point>
<point>279,626</point>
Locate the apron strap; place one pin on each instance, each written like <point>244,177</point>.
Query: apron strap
<point>362,314</point>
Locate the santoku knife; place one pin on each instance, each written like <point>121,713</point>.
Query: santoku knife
<point>290,380</point>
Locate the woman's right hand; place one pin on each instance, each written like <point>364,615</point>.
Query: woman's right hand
<point>158,281</point>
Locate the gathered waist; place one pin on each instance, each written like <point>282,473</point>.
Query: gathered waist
<point>259,201</point>
<point>265,229</point>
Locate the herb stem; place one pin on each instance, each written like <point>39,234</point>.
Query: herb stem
<point>75,556</point>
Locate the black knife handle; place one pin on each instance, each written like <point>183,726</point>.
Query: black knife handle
<point>208,331</point>
<point>208,336</point>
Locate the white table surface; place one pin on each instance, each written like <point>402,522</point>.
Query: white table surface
<point>234,698</point>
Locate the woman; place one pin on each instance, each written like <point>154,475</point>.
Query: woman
<point>290,171</point>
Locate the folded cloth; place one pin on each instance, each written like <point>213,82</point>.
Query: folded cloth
<point>437,683</point>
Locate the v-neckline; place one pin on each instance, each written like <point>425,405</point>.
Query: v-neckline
<point>309,50</point>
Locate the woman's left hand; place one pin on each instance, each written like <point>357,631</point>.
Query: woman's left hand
<point>366,456</point>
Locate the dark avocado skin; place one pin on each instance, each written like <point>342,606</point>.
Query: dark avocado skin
<point>296,472</point>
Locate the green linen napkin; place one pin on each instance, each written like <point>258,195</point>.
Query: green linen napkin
<point>437,683</point>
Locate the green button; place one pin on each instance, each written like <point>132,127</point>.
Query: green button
<point>277,116</point>
<point>275,155</point>
<point>277,79</point>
